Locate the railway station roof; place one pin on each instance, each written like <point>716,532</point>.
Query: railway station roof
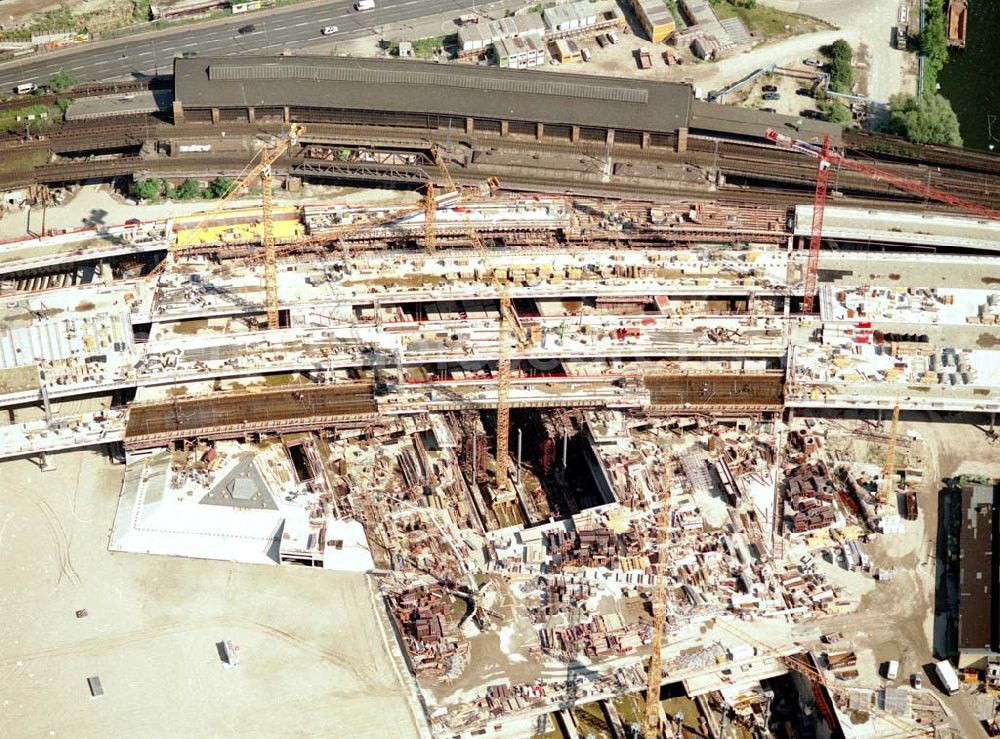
<point>430,88</point>
<point>752,123</point>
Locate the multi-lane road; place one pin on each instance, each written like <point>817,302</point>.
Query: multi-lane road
<point>292,28</point>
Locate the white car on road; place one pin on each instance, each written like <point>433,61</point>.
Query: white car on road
<point>330,30</point>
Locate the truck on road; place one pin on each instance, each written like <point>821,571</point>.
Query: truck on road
<point>947,675</point>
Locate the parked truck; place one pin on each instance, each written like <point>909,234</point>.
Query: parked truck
<point>645,58</point>
<point>947,675</point>
<point>892,670</point>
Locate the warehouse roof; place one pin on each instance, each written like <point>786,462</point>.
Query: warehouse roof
<point>977,617</point>
<point>656,11</point>
<point>427,87</point>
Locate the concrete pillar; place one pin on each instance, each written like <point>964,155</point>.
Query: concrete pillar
<point>610,140</point>
<point>286,116</point>
<point>574,134</point>
<point>470,125</point>
<point>252,114</point>
<point>215,115</point>
<point>519,456</point>
<point>44,463</point>
<point>539,131</point>
<point>645,140</point>
<point>682,140</point>
<point>178,112</point>
<point>504,128</point>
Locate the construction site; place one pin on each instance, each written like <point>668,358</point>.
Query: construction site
<point>646,443</point>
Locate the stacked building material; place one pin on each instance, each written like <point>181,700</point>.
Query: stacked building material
<point>810,492</point>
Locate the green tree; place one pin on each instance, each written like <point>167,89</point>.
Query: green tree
<point>187,190</point>
<point>838,49</point>
<point>63,80</point>
<point>933,43</point>
<point>835,112</point>
<point>928,119</point>
<point>218,187</point>
<point>149,189</point>
<point>840,54</point>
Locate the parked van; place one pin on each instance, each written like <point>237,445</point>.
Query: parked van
<point>892,670</point>
<point>25,87</point>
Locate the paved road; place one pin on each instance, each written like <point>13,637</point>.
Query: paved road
<point>292,28</point>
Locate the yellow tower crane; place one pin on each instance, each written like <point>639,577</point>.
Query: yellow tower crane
<point>259,166</point>
<point>654,674</point>
<point>889,468</point>
<point>430,218</point>
<point>507,319</point>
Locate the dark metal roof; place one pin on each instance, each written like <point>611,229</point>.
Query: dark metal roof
<point>749,122</point>
<point>426,87</point>
<point>977,592</point>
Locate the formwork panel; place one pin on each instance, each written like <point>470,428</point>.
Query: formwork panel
<point>762,391</point>
<point>246,411</point>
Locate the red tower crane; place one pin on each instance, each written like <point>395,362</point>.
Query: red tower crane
<point>826,159</point>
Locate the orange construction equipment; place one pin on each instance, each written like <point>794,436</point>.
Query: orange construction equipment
<point>827,159</point>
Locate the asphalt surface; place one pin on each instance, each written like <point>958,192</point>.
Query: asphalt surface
<point>293,28</point>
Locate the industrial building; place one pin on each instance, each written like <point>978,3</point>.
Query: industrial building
<point>655,17</point>
<point>519,53</point>
<point>419,95</point>
<point>710,37</point>
<point>979,590</point>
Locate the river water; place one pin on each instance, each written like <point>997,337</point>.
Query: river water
<point>971,78</point>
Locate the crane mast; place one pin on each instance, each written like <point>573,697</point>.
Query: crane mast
<point>829,158</point>
<point>503,395</point>
<point>889,468</point>
<point>654,674</point>
<point>270,259</point>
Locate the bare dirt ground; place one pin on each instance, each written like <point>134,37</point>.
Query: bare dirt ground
<point>315,659</point>
<point>869,23</point>
<point>20,13</point>
<point>896,620</point>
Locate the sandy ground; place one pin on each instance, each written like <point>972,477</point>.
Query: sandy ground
<point>314,656</point>
<point>868,22</point>
<point>97,205</point>
<point>895,620</point>
<point>860,22</point>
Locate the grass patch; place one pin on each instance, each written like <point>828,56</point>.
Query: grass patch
<point>770,23</point>
<point>423,48</point>
<point>9,122</point>
<point>22,161</point>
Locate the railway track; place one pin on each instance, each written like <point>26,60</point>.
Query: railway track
<point>894,149</point>
<point>793,173</point>
<point>94,89</point>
